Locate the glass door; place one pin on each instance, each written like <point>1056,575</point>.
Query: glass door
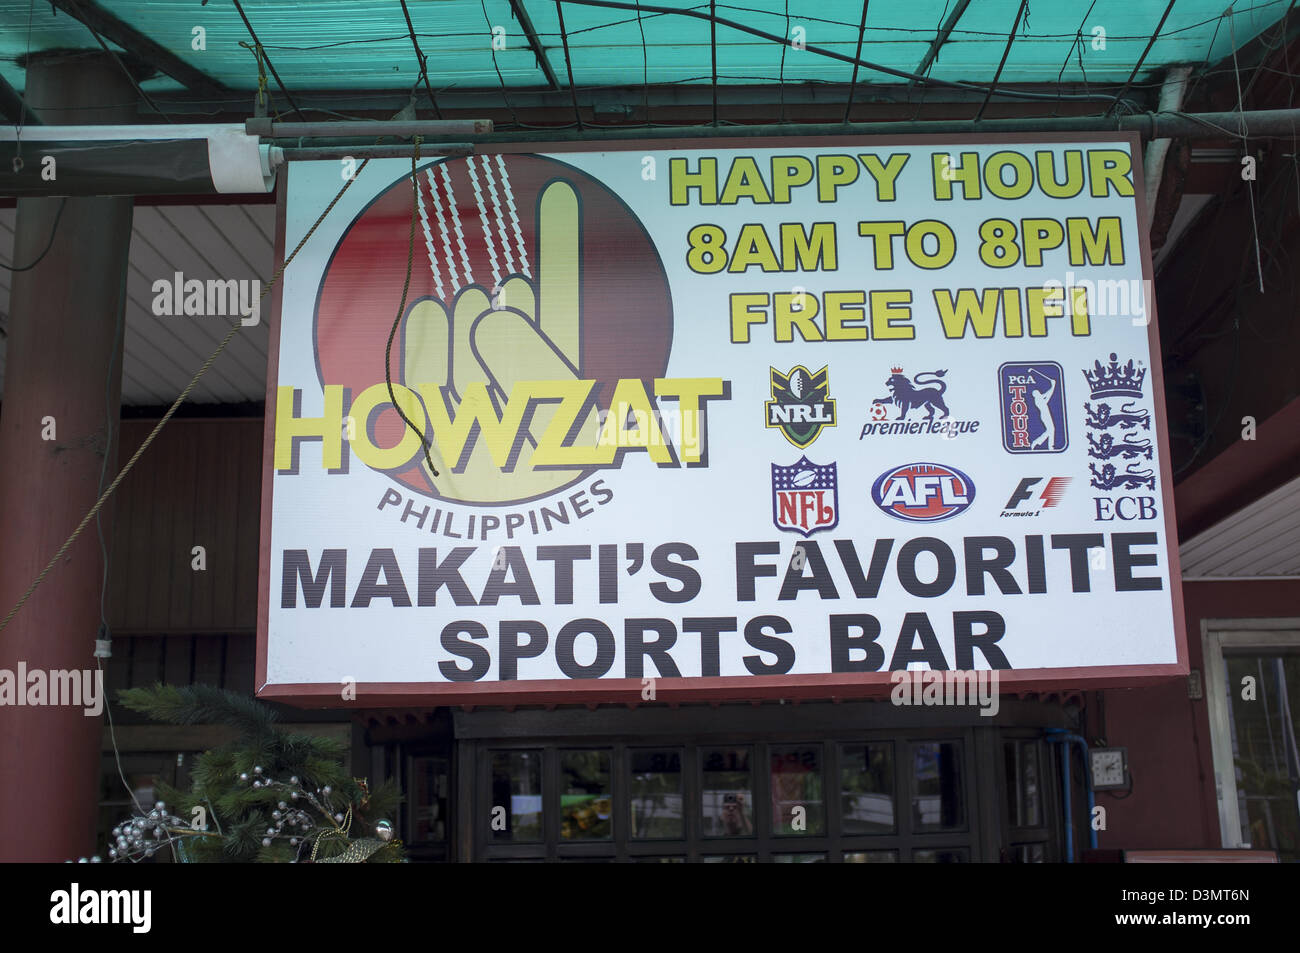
<point>1254,694</point>
<point>860,798</point>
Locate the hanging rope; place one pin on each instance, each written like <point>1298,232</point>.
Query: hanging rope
<point>175,405</point>
<point>256,50</point>
<point>401,308</point>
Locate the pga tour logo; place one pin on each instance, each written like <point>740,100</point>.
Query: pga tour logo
<point>923,492</point>
<point>1032,396</point>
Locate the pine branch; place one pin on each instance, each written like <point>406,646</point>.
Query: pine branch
<point>201,704</point>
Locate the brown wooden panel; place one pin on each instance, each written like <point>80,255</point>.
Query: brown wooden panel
<point>146,660</point>
<point>178,655</point>
<point>208,520</point>
<point>124,515</point>
<point>228,533</point>
<point>117,671</point>
<point>137,536</point>
<point>240,650</point>
<point>184,535</point>
<point>196,485</point>
<point>166,560</point>
<point>249,529</point>
<point>209,659</point>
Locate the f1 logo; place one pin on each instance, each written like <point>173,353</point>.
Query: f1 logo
<point>1050,496</point>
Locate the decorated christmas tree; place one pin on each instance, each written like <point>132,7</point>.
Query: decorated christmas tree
<point>269,796</point>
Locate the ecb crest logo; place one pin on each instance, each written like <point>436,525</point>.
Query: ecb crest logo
<point>1032,397</point>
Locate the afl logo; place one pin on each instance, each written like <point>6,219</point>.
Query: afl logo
<point>923,492</point>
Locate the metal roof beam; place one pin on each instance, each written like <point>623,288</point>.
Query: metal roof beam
<point>1011,39</point>
<point>526,23</point>
<point>12,107</point>
<point>568,64</point>
<point>480,100</point>
<point>423,61</point>
<point>97,19</point>
<point>942,37</point>
<point>262,55</point>
<point>1143,58</point>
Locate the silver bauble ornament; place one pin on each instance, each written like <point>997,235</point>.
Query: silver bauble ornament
<point>384,831</point>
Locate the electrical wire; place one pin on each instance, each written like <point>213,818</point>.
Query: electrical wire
<point>568,64</point>
<point>269,65</point>
<point>645,65</point>
<point>401,310</point>
<point>1006,51</point>
<point>716,21</point>
<point>423,61</point>
<point>48,245</point>
<point>117,59</point>
<point>505,94</point>
<point>853,83</point>
<point>1078,43</point>
<point>180,399</point>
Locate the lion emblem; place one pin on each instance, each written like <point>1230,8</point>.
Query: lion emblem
<point>1129,448</point>
<point>1132,478</point>
<point>908,395</point>
<point>1103,418</point>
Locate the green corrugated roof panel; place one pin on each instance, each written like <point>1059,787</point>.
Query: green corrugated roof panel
<point>339,45</point>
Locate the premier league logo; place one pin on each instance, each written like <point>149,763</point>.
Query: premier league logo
<point>805,497</point>
<point>1032,396</point>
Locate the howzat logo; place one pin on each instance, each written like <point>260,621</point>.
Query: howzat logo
<point>532,350</point>
<point>923,492</point>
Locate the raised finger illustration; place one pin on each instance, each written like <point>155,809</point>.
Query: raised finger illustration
<point>469,365</point>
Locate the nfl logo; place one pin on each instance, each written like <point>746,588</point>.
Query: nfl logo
<point>805,497</point>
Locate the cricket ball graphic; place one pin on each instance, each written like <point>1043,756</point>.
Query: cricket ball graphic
<point>524,269</point>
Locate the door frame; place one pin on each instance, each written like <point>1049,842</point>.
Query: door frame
<point>826,725</point>
<point>1235,634</point>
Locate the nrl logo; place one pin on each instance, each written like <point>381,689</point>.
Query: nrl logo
<point>800,407</point>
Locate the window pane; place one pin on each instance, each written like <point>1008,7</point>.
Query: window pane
<point>517,787</point>
<point>867,788</point>
<point>1028,854</point>
<point>428,799</point>
<point>937,803</point>
<point>586,805</point>
<point>656,792</point>
<point>798,804</point>
<point>1024,808</point>
<point>943,855</point>
<point>798,858</point>
<point>1264,729</point>
<point>656,860</point>
<point>729,859</point>
<point>726,793</point>
<point>871,857</point>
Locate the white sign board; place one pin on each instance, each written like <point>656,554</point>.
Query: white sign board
<point>755,419</point>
